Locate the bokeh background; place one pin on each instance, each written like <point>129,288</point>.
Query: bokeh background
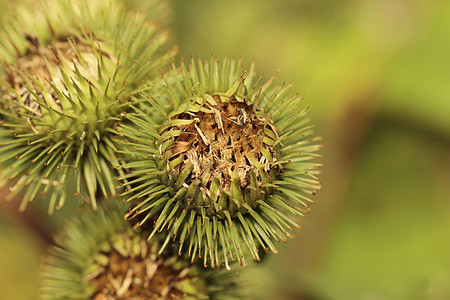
<point>376,75</point>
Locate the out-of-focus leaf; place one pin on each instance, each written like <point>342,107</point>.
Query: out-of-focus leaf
<point>19,260</point>
<point>418,78</point>
<point>392,241</point>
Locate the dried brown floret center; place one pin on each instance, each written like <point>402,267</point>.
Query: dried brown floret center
<point>34,64</point>
<point>143,276</point>
<point>220,142</point>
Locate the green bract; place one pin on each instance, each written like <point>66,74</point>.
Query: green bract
<point>98,256</point>
<point>220,159</point>
<point>71,70</point>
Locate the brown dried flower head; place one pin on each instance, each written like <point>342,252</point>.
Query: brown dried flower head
<point>220,160</point>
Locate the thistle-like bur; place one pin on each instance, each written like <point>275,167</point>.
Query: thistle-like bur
<point>72,68</point>
<point>98,256</point>
<point>220,160</point>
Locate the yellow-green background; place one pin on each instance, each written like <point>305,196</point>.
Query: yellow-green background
<point>376,74</point>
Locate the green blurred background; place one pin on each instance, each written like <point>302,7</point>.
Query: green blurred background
<point>376,74</point>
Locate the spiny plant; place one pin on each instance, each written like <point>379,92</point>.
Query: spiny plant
<point>214,161</point>
<point>220,159</point>
<point>98,256</point>
<point>71,70</point>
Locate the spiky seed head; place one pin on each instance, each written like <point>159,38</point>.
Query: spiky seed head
<point>98,256</point>
<point>221,160</point>
<point>219,153</point>
<point>66,83</point>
